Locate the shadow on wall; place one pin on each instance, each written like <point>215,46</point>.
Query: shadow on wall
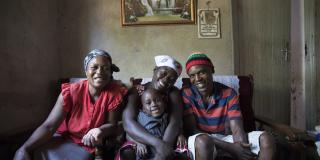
<point>29,68</point>
<point>75,23</point>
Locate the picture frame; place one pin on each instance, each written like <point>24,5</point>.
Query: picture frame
<point>154,12</point>
<point>209,23</point>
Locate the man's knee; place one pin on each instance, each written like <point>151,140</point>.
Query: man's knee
<point>266,141</point>
<point>204,142</point>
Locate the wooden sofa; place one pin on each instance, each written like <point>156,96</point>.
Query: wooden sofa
<point>292,143</point>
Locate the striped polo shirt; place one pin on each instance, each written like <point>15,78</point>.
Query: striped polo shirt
<point>222,106</point>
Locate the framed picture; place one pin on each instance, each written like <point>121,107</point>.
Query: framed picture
<point>148,12</point>
<point>209,23</point>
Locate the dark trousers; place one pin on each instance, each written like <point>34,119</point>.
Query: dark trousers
<point>60,149</point>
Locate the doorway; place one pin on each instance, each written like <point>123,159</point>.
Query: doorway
<point>262,38</point>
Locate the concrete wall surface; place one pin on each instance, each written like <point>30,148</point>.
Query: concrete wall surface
<point>29,63</point>
<point>43,40</point>
<point>91,24</point>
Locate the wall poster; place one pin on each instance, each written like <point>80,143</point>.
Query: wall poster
<point>209,23</point>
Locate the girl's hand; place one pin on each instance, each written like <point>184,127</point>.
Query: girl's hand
<point>141,150</point>
<point>181,141</point>
<point>93,137</point>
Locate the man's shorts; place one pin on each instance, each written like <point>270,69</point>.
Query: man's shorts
<point>253,139</point>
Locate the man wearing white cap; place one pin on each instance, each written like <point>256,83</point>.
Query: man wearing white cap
<point>165,74</point>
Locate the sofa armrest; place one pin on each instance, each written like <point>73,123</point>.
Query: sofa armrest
<point>291,133</point>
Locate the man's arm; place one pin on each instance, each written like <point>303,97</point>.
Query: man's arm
<point>240,148</point>
<point>238,133</point>
<point>236,149</point>
<point>175,120</point>
<point>192,129</point>
<point>110,127</point>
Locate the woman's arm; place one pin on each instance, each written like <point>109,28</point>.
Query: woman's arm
<point>190,125</point>
<point>45,131</point>
<point>130,124</point>
<point>175,120</point>
<point>138,133</point>
<point>110,127</point>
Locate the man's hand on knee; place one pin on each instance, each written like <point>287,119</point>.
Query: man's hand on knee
<point>242,151</point>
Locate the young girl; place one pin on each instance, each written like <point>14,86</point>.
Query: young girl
<point>153,116</point>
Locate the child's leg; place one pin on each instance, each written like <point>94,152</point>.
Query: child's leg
<point>126,151</point>
<point>128,154</point>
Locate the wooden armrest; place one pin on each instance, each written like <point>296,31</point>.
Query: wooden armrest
<point>291,133</point>
<point>135,81</point>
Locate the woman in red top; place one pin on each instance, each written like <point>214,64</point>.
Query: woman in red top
<point>84,113</point>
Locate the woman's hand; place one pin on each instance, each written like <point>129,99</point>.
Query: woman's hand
<point>242,151</point>
<point>21,154</point>
<point>93,137</point>
<point>141,150</point>
<point>181,142</point>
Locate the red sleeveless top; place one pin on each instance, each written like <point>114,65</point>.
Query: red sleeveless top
<point>82,114</point>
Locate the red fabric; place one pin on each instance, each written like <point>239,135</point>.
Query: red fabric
<point>82,114</point>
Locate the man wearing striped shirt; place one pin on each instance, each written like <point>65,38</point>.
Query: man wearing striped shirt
<point>211,110</point>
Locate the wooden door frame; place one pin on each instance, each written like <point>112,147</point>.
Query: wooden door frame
<point>297,65</point>
<point>235,36</point>
<point>297,60</point>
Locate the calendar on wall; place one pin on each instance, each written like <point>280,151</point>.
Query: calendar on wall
<point>209,23</point>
